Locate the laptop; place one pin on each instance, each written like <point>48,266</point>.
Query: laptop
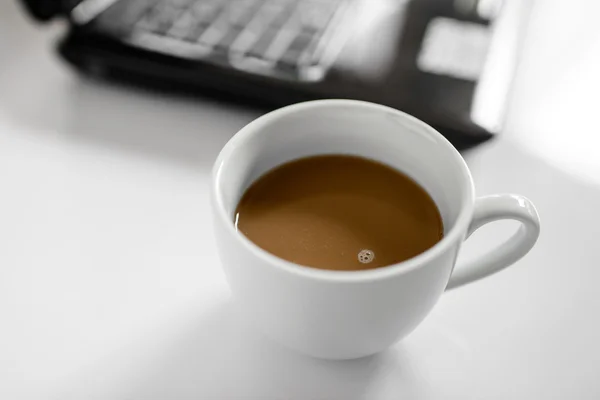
<point>447,62</point>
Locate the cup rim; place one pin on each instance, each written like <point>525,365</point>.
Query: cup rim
<point>255,127</point>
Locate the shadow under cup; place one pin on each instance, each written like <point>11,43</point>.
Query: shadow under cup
<point>339,314</point>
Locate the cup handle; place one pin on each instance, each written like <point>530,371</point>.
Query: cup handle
<point>494,208</point>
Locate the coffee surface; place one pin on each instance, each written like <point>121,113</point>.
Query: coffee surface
<point>339,212</point>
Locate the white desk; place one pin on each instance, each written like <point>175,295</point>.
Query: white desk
<point>110,286</point>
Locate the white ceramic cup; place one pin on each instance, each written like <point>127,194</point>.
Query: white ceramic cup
<point>351,314</point>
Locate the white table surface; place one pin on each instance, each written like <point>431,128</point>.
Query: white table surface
<point>110,287</point>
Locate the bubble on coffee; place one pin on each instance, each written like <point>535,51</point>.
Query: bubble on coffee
<point>366,256</point>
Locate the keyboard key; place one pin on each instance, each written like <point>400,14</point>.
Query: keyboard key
<point>235,19</point>
<point>161,17</point>
<point>281,43</point>
<point>183,27</point>
<point>314,16</point>
<point>227,40</point>
<point>295,50</point>
<point>215,32</point>
<point>143,24</point>
<point>122,17</point>
<point>275,13</point>
<point>198,30</point>
<point>205,11</point>
<point>239,12</point>
<point>260,47</point>
<point>180,4</point>
<point>256,34</point>
<point>210,25</point>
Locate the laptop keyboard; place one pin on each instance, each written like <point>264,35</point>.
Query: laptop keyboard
<point>284,38</point>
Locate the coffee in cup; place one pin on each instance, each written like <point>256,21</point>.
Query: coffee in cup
<point>339,212</point>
